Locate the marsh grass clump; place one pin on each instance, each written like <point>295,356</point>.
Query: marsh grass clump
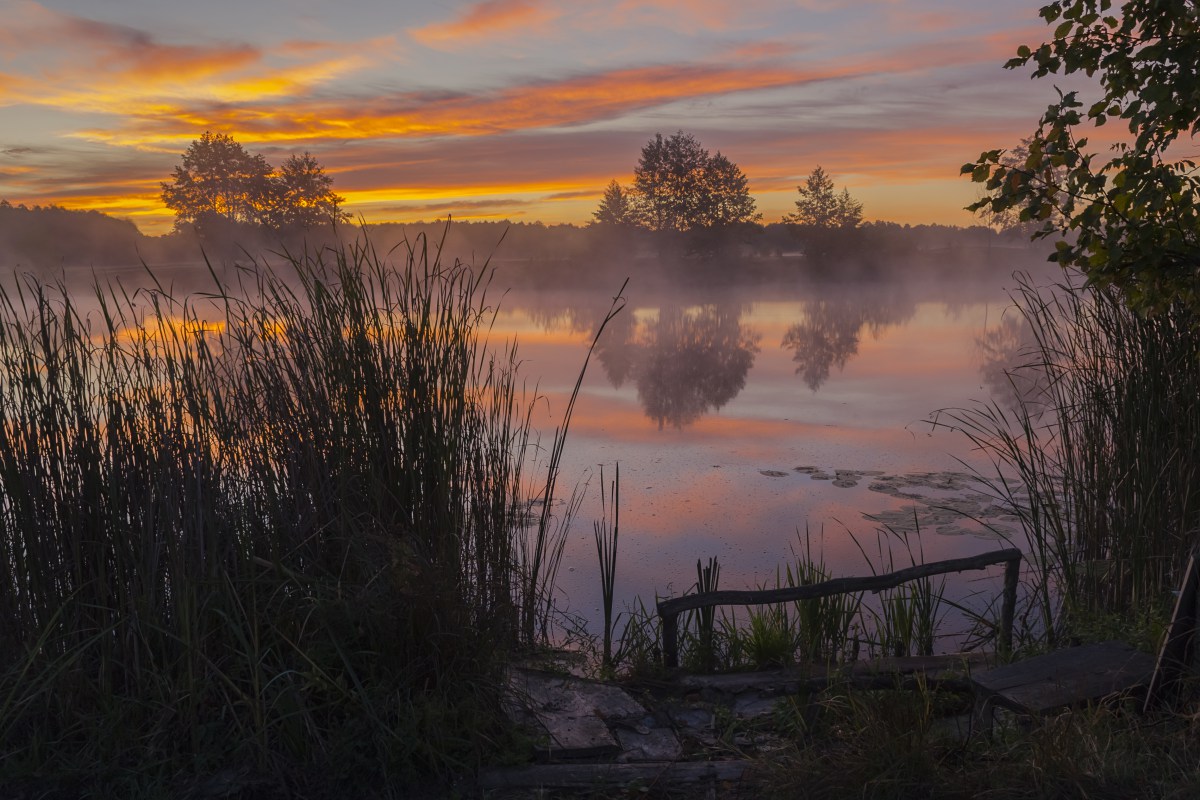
<point>916,743</point>
<point>1099,455</point>
<point>281,526</point>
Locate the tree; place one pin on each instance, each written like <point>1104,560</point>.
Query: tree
<point>727,199</point>
<point>678,186</point>
<point>1129,219</point>
<point>218,180</point>
<point>302,195</point>
<point>820,207</point>
<point>616,207</point>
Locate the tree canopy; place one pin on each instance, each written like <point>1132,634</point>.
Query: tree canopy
<point>1128,218</point>
<point>678,186</point>
<point>616,207</point>
<point>820,206</point>
<point>220,182</point>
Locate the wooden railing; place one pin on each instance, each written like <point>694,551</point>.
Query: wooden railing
<point>670,609</point>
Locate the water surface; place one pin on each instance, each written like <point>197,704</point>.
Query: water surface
<point>747,418</point>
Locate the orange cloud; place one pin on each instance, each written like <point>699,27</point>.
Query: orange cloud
<point>568,102</point>
<point>82,65</point>
<point>491,18</point>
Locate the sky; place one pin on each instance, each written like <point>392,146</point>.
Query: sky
<point>513,109</point>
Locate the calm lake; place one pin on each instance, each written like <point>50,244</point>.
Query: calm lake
<point>746,418</point>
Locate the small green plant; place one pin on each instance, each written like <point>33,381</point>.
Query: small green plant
<point>907,618</point>
<point>769,639</point>
<point>826,626</point>
<point>640,649</point>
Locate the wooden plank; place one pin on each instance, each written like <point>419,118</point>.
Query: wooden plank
<point>1066,677</point>
<point>791,680</point>
<point>574,712</point>
<point>585,776</point>
<point>1178,651</point>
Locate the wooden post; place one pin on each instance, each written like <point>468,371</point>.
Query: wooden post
<point>1012,574</point>
<point>670,634</point>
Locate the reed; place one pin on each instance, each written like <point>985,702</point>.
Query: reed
<point>699,627</point>
<point>606,534</point>
<point>278,526</point>
<point>1100,455</point>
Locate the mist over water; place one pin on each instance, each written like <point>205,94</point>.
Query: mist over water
<point>748,415</point>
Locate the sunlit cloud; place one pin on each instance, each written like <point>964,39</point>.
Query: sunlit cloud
<point>568,102</point>
<point>84,45</point>
<point>489,19</point>
<point>94,67</point>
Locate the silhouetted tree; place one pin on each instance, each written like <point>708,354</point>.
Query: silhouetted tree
<point>218,181</point>
<point>678,186</point>
<point>820,206</point>
<point>823,217</point>
<point>616,207</point>
<point>302,195</point>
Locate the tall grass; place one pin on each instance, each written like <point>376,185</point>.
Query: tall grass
<point>280,526</point>
<point>1105,441</point>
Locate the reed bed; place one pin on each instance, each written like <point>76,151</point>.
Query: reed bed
<point>1100,454</point>
<point>282,528</point>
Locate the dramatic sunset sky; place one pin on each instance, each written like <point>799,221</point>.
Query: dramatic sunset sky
<point>518,109</point>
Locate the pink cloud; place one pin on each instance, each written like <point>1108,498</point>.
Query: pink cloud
<point>488,19</point>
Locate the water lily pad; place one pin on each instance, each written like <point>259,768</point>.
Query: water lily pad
<point>772,473</point>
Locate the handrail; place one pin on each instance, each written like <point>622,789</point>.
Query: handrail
<point>670,609</point>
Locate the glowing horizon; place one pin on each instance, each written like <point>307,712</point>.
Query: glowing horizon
<point>517,109</point>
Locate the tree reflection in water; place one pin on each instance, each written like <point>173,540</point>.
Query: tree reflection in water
<point>1011,365</point>
<point>832,328</point>
<point>685,362</point>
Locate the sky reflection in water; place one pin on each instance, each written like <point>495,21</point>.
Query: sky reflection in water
<point>744,417</point>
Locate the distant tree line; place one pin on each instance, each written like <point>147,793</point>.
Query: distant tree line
<point>219,183</point>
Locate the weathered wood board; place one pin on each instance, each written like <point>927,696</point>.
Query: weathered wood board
<point>950,670</point>
<point>1066,677</point>
<point>575,713</point>
<point>1178,653</point>
<point>587,776</point>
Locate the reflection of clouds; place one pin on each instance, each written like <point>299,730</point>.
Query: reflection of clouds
<point>685,362</point>
<point>830,332</point>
